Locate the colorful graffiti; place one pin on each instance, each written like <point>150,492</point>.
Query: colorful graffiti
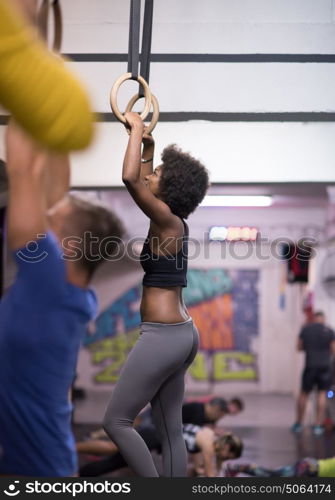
<point>223,305</point>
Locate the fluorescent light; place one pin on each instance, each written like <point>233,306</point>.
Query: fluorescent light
<point>236,201</point>
<point>218,233</point>
<point>233,233</point>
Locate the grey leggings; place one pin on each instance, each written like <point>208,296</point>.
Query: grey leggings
<point>154,372</point>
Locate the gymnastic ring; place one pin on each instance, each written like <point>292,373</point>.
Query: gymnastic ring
<point>42,21</point>
<point>115,89</point>
<point>155,111</point>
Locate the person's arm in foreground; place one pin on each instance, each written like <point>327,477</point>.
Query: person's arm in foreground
<point>27,204</point>
<point>57,178</point>
<point>43,96</point>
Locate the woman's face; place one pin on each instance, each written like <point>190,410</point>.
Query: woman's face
<point>152,180</point>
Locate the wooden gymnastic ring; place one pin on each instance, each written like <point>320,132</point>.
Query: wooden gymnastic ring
<point>43,19</point>
<point>115,89</point>
<point>155,111</point>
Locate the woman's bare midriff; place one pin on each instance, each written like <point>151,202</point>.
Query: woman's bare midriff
<point>163,305</point>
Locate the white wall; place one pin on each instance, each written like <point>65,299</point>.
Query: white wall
<point>220,87</point>
<point>234,152</point>
<point>216,26</point>
<point>237,151</point>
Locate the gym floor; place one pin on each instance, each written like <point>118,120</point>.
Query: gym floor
<point>264,426</point>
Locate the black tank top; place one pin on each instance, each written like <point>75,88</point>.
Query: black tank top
<point>165,270</point>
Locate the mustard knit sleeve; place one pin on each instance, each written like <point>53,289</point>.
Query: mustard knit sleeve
<point>327,467</point>
<point>35,87</point>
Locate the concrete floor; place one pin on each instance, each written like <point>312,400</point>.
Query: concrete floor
<point>264,427</point>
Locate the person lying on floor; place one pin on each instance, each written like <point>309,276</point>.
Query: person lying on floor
<point>193,412</point>
<point>208,449</point>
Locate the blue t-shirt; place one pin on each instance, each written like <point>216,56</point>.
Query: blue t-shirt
<point>42,322</point>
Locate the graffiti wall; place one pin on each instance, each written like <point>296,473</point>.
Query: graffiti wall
<point>223,305</point>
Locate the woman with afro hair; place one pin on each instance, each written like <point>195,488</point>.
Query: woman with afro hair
<point>155,368</point>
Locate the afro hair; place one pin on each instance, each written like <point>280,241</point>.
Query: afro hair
<point>184,181</point>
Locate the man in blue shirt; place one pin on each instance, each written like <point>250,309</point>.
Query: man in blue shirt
<point>44,314</point>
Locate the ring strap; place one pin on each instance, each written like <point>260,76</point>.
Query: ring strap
<point>43,19</point>
<point>134,38</point>
<point>146,43</point>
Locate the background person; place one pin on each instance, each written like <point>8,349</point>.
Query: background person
<point>201,413</point>
<point>194,412</point>
<point>44,314</point>
<point>318,342</point>
<point>207,450</point>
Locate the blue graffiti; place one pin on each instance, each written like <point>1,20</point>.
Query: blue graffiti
<point>124,311</point>
<point>205,285</point>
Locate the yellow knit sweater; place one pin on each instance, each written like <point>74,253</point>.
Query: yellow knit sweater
<point>35,87</point>
<point>327,467</point>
